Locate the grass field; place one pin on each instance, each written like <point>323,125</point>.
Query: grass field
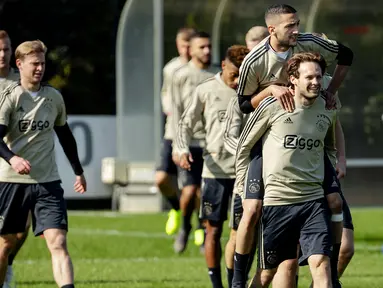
<point>114,250</point>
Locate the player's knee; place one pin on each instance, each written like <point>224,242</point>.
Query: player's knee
<point>7,244</point>
<point>335,203</point>
<point>161,179</point>
<point>347,249</point>
<point>266,277</point>
<point>252,209</point>
<point>214,231</point>
<point>56,240</point>
<point>319,265</point>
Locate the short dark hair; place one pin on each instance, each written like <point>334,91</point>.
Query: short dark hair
<point>295,61</point>
<point>278,9</point>
<point>199,34</point>
<point>236,53</point>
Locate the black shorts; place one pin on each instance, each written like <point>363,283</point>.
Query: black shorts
<point>167,165</point>
<point>236,211</point>
<point>254,187</point>
<point>283,226</point>
<point>44,200</point>
<point>215,199</point>
<point>194,176</point>
<point>331,182</point>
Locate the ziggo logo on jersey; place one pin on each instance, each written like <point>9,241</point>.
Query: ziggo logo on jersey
<point>24,125</point>
<point>294,142</point>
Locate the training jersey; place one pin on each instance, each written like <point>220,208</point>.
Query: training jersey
<point>30,121</point>
<point>13,76</point>
<point>166,101</point>
<point>184,82</point>
<point>208,106</point>
<point>263,66</point>
<point>293,150</point>
<point>235,121</point>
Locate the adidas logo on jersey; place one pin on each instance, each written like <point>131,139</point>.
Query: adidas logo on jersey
<point>288,121</point>
<point>21,109</point>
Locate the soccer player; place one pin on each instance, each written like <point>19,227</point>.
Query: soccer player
<point>184,82</point>
<point>262,74</point>
<point>167,171</point>
<point>293,171</point>
<point>208,105</point>
<point>234,124</point>
<point>255,35</point>
<point>29,180</point>
<point>8,76</point>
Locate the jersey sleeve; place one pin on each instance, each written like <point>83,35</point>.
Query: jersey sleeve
<point>61,111</point>
<point>7,105</point>
<point>191,115</point>
<point>176,99</point>
<point>327,48</point>
<point>254,129</point>
<point>233,124</point>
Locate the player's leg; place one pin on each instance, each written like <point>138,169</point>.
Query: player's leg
<point>252,207</point>
<point>191,182</point>
<point>215,200</point>
<point>20,239</point>
<point>50,219</point>
<point>236,212</point>
<point>315,241</point>
<point>332,191</point>
<point>14,208</point>
<point>347,248</point>
<point>199,233</point>
<point>278,236</point>
<point>166,181</point>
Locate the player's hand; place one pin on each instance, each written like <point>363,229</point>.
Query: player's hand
<point>176,159</point>
<point>330,100</point>
<point>80,184</point>
<point>341,169</point>
<point>285,96</point>
<point>185,161</point>
<point>20,165</point>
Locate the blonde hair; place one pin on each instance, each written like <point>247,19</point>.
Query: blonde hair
<point>30,47</point>
<point>256,33</point>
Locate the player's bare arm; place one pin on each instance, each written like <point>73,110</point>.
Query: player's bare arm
<point>68,143</point>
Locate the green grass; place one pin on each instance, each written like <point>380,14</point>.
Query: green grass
<point>116,250</point>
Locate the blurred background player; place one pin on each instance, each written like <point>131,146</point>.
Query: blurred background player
<point>235,121</point>
<point>8,76</point>
<point>166,174</point>
<point>184,82</point>
<point>262,74</point>
<point>255,35</point>
<point>29,178</point>
<point>209,103</point>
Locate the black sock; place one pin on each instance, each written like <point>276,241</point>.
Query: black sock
<point>334,261</point>
<point>68,286</point>
<point>186,226</point>
<point>11,257</point>
<point>240,268</point>
<point>229,274</point>
<point>215,277</point>
<point>174,202</point>
<point>296,280</point>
